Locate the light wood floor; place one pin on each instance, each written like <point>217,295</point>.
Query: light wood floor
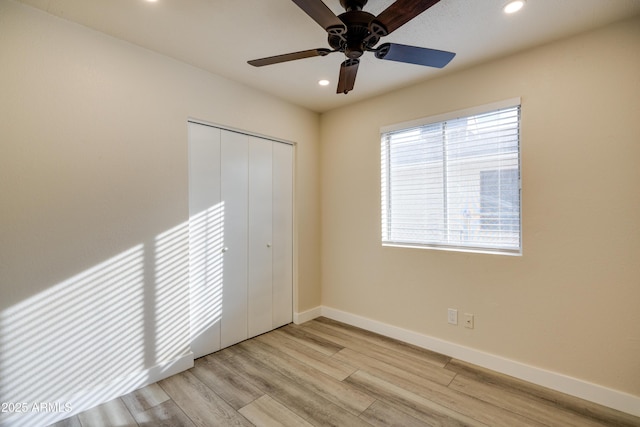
<point>330,374</point>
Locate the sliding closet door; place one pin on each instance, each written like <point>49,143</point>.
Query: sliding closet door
<point>260,311</point>
<point>234,180</point>
<point>282,240</point>
<point>205,238</point>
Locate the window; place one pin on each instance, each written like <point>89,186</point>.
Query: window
<point>453,181</point>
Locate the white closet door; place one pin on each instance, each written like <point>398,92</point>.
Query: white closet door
<point>234,189</point>
<point>282,248</point>
<point>205,240</point>
<point>260,292</point>
<point>240,236</point>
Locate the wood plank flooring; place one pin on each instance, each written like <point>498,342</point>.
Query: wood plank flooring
<point>325,373</point>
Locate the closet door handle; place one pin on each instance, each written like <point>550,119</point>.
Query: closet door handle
<point>224,250</point>
<point>269,244</point>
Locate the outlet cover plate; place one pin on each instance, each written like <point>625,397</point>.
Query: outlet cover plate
<point>468,320</point>
<point>452,316</point>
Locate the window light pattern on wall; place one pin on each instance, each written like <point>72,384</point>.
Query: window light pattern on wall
<point>454,182</point>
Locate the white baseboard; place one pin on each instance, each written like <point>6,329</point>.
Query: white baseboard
<point>95,396</point>
<point>305,316</point>
<point>615,399</point>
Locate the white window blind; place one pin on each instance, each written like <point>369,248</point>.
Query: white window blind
<point>454,183</point>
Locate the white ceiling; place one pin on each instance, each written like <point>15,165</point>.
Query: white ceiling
<point>222,35</point>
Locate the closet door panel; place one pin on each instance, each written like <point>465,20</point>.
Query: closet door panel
<point>234,191</point>
<point>282,248</point>
<point>260,237</point>
<point>240,236</point>
<point>205,242</point>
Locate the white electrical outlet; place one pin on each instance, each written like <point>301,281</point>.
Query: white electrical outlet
<point>468,320</point>
<point>452,316</point>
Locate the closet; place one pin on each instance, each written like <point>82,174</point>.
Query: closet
<point>240,236</point>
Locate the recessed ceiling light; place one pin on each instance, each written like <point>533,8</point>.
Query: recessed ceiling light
<point>323,82</point>
<point>513,6</point>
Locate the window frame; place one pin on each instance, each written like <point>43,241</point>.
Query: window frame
<point>439,119</point>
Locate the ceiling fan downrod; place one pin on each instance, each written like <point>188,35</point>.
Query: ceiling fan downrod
<point>350,5</point>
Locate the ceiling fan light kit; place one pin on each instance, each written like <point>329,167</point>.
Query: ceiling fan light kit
<point>356,31</point>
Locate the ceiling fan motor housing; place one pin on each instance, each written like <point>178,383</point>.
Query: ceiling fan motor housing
<point>358,37</point>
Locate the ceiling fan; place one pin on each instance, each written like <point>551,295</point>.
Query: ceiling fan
<point>356,31</point>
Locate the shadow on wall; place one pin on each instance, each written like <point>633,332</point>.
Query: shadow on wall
<point>99,334</point>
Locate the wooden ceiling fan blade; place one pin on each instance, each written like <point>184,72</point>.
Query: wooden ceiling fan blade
<point>414,55</point>
<point>348,72</point>
<point>289,57</point>
<point>401,12</point>
<point>320,13</point>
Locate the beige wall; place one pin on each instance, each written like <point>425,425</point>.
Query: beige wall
<point>93,175</point>
<point>570,304</point>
